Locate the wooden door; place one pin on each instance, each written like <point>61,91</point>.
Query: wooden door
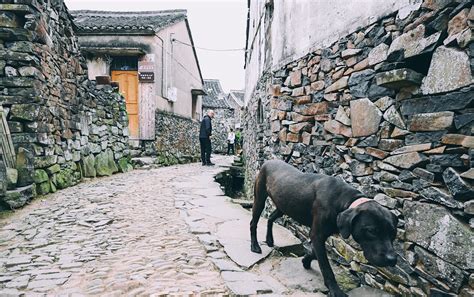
<point>128,85</point>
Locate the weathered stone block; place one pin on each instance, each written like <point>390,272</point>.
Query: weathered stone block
<point>43,188</point>
<point>392,116</point>
<point>440,197</point>
<point>450,69</point>
<point>339,84</point>
<point>390,144</point>
<point>384,103</point>
<point>40,176</point>
<point>25,112</point>
<point>406,161</point>
<point>24,165</point>
<point>460,189</point>
<point>275,126</point>
<point>312,109</point>
<point>424,174</point>
<point>337,128</point>
<point>284,103</point>
<point>296,128</point>
<point>342,116</point>
<point>399,78</point>
<point>64,179</point>
<point>292,137</point>
<point>295,78</point>
<point>365,117</point>
<point>386,201</point>
<point>19,197</point>
<point>446,160</point>
<point>378,54</point>
<point>359,82</point>
<point>124,166</point>
<point>448,238</point>
<point>434,103</point>
<point>458,139</point>
<point>442,270</point>
<point>431,121</point>
<point>412,148</point>
<point>11,177</point>
<point>53,169</point>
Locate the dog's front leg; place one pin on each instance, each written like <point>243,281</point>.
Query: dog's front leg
<point>318,240</point>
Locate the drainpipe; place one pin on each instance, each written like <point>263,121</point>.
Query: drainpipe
<point>162,65</point>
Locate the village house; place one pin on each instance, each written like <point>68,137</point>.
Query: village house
<point>216,99</point>
<point>151,55</point>
<point>236,101</point>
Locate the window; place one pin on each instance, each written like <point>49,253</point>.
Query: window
<point>194,114</point>
<point>260,112</point>
<point>124,63</point>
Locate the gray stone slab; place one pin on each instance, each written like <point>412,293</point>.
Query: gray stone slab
<point>235,237</point>
<point>226,265</point>
<point>368,292</point>
<point>290,273</point>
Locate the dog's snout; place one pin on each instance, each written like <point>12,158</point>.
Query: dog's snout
<point>391,259</point>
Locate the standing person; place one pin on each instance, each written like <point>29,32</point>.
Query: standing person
<point>230,141</point>
<point>205,138</point>
<point>237,139</point>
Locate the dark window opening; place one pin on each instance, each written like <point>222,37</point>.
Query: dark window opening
<point>260,112</point>
<point>194,114</point>
<point>124,63</point>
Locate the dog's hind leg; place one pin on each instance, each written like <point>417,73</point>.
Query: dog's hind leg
<point>275,215</point>
<point>260,193</point>
<point>307,259</point>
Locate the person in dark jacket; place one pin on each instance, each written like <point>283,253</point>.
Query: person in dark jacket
<point>205,138</point>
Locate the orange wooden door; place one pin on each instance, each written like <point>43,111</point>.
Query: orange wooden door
<point>128,85</point>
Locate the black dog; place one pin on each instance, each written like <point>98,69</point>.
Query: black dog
<point>328,205</point>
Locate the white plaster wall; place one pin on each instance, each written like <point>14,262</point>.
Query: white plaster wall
<point>301,26</point>
<point>181,70</point>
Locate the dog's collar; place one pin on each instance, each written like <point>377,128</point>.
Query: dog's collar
<point>358,202</point>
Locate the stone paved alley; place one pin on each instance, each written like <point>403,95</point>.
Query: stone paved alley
<point>160,232</point>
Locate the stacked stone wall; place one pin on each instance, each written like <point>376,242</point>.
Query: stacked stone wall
<point>63,126</point>
<point>390,110</point>
<point>177,139</point>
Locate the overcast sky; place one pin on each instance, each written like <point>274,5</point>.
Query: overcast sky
<point>215,24</point>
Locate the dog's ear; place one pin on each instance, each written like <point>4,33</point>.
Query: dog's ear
<point>344,221</point>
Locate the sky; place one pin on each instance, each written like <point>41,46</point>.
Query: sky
<point>215,24</point>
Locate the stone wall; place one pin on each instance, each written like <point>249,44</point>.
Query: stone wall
<point>222,122</point>
<point>177,139</point>
<point>389,109</point>
<point>63,126</point>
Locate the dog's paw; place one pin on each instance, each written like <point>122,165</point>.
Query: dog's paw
<point>254,247</point>
<point>306,262</point>
<point>270,242</point>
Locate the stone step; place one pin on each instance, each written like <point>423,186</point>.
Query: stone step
<point>20,196</point>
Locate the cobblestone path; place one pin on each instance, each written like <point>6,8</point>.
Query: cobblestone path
<point>113,236</point>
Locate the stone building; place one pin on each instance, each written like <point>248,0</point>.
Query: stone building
<point>236,101</point>
<point>380,94</point>
<point>59,126</point>
<point>151,55</point>
<point>224,119</point>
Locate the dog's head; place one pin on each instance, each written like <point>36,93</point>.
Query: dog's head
<point>374,227</point>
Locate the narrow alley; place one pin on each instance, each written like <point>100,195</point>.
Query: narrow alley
<point>159,232</point>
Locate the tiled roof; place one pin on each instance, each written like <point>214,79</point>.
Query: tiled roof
<point>147,22</point>
<point>238,96</point>
<point>215,98</point>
